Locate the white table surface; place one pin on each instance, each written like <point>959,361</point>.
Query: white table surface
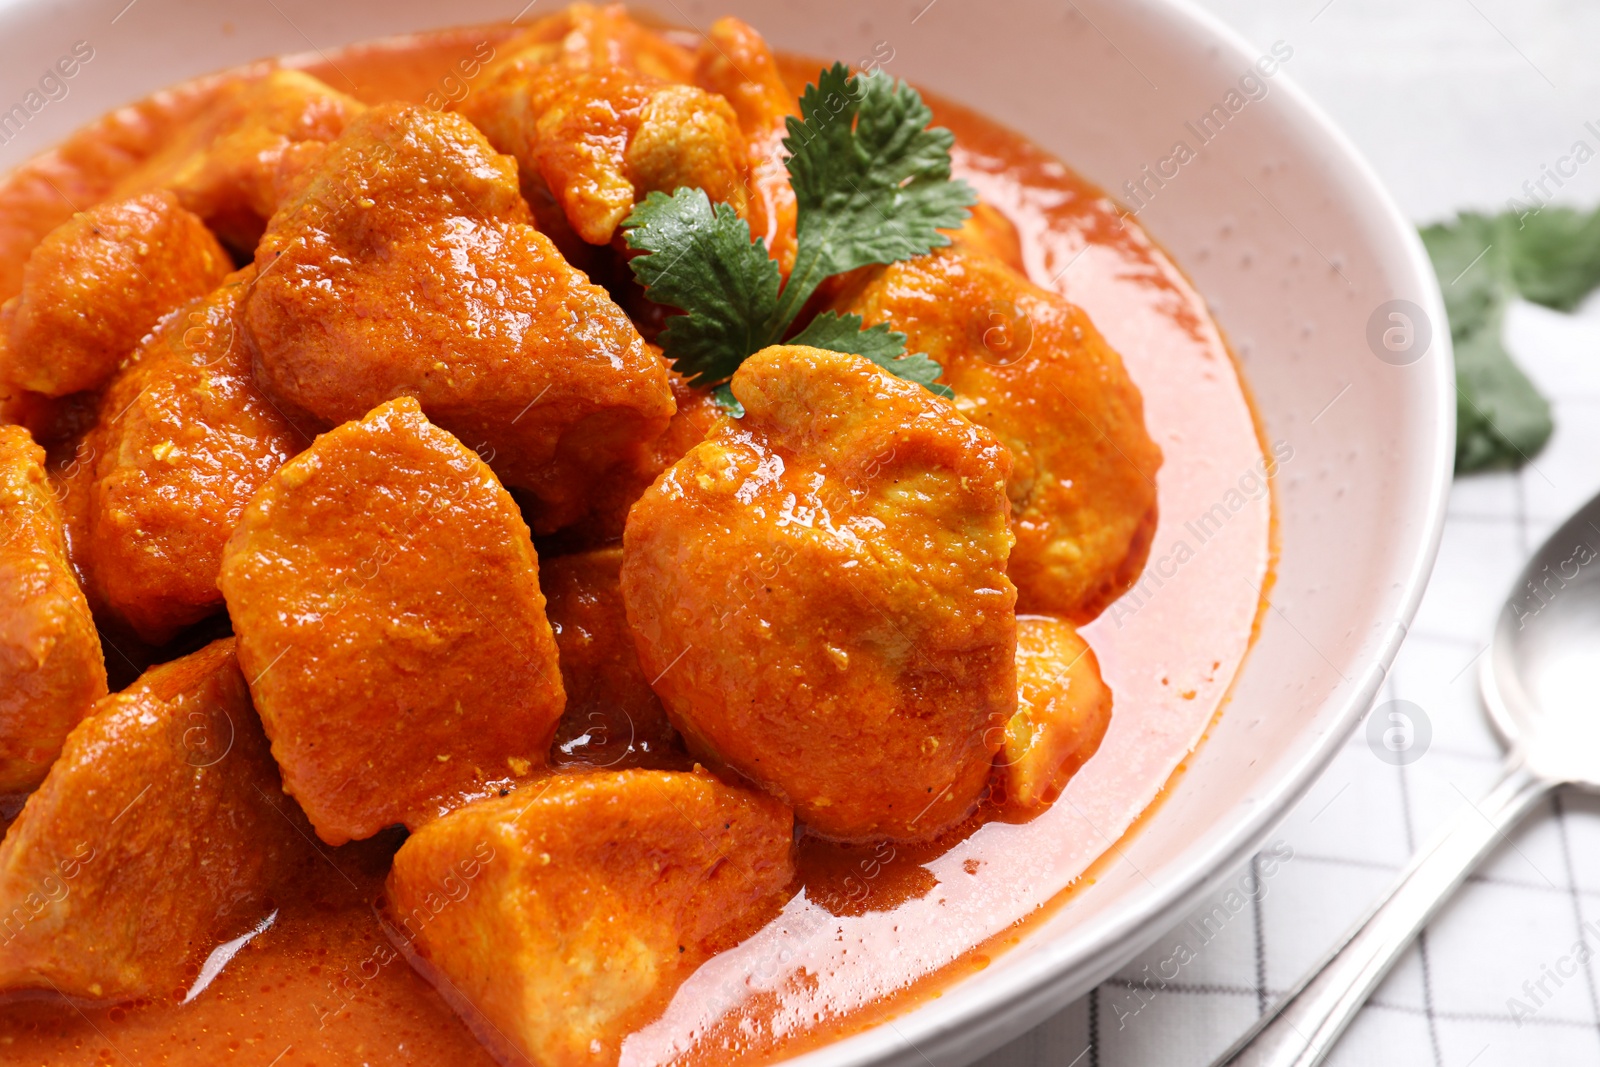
<point>1457,103</point>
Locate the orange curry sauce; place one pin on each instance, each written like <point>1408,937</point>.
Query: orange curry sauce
<point>874,929</point>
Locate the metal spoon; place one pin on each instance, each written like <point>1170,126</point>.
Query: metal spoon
<point>1538,680</point>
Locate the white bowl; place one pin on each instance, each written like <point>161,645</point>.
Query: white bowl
<point>1280,225</point>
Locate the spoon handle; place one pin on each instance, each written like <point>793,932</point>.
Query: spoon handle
<point>1302,1027</point>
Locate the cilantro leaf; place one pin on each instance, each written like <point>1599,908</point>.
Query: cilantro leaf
<point>1550,257</point>
<point>724,398</point>
<point>880,344</point>
<point>1501,419</point>
<point>703,262</point>
<point>1555,259</point>
<point>872,185</point>
<point>1458,252</point>
<point>844,333</point>
<point>871,179</point>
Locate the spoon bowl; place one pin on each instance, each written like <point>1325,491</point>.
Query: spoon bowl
<point>1539,678</point>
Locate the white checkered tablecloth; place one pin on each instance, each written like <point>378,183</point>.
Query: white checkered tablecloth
<point>1456,102</point>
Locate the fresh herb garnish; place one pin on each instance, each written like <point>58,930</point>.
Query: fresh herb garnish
<point>701,261</point>
<point>880,344</point>
<point>871,179</point>
<point>872,185</point>
<point>1484,262</point>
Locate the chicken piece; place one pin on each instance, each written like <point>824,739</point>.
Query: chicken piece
<point>51,667</point>
<point>566,914</point>
<point>1063,711</point>
<point>158,834</point>
<point>612,718</point>
<point>184,440</point>
<point>595,37</point>
<point>386,597</point>
<point>98,283</point>
<point>602,139</point>
<point>234,161</point>
<point>580,37</point>
<point>987,232</point>
<point>1031,368</point>
<point>406,266</point>
<point>594,104</point>
<point>697,413</point>
<point>735,62</point>
<point>819,592</point>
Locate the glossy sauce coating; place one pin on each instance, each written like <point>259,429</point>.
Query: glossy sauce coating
<point>866,687</point>
<point>232,163</point>
<point>596,109</point>
<point>385,593</point>
<point>563,916</point>
<point>52,669</point>
<point>1032,369</point>
<point>735,62</point>
<point>97,284</point>
<point>324,985</point>
<point>697,413</point>
<point>405,265</point>
<point>1063,710</point>
<point>158,833</point>
<point>182,441</point>
<point>603,139</point>
<point>612,718</point>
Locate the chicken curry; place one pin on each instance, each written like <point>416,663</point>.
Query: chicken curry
<point>577,543</point>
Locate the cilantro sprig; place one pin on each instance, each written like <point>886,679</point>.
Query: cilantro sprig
<point>1484,262</point>
<point>872,185</point>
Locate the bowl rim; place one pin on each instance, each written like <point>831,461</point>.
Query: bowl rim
<point>978,1014</point>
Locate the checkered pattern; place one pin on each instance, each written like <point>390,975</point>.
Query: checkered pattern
<point>1445,1003</point>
